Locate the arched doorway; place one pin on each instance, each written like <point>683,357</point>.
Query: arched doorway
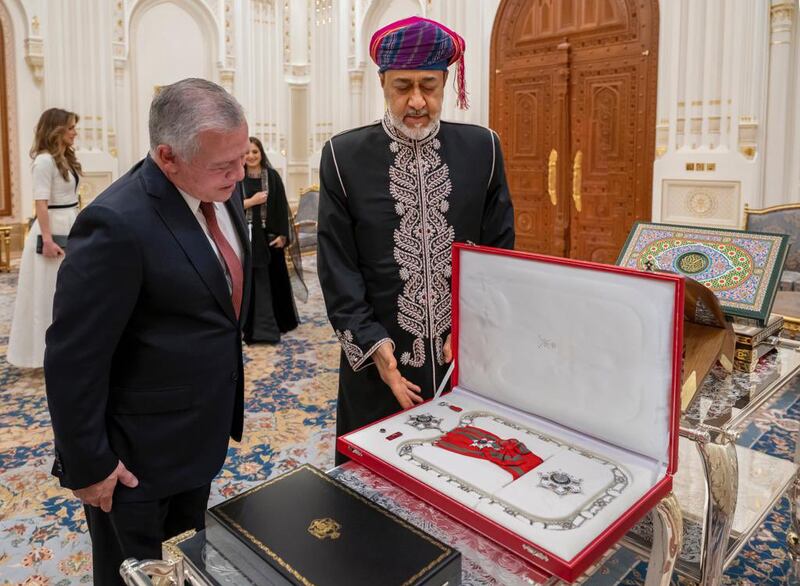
<point>573,98</point>
<point>169,41</point>
<point>5,158</point>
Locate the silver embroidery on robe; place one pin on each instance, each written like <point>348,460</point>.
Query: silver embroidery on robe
<point>352,352</point>
<point>419,182</point>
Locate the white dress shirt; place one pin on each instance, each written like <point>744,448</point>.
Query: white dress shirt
<point>225,225</point>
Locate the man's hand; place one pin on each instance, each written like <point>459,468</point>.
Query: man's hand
<point>448,349</point>
<point>101,493</point>
<point>406,392</point>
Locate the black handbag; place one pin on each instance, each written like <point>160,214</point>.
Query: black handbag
<point>60,240</point>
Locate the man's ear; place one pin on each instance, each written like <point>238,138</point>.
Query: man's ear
<point>166,157</point>
<point>444,79</point>
<point>382,77</point>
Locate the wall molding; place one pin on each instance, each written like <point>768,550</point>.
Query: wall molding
<point>14,162</point>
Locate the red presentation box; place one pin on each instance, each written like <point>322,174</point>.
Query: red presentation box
<point>561,430</point>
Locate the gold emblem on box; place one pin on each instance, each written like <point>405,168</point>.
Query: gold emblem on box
<point>325,528</point>
<point>693,263</point>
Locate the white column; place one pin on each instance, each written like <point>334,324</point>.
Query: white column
<point>794,187</point>
<point>711,104</point>
<point>279,117</point>
<point>711,92</point>
<point>297,168</point>
<point>356,79</point>
<point>351,14</point>
<point>326,96</point>
<point>487,27</point>
<point>671,93</point>
<point>476,29</point>
<point>120,104</point>
<point>780,104</point>
<point>229,32</point>
<point>726,96</point>
<point>695,52</point>
<point>298,37</point>
<point>77,48</point>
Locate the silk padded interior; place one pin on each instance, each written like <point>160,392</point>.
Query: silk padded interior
<point>590,350</point>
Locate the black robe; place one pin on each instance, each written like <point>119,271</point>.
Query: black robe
<point>272,308</point>
<point>390,209</point>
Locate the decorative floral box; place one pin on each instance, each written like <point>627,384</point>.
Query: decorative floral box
<point>743,269</point>
<point>561,429</point>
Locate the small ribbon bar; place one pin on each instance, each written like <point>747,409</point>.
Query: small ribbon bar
<point>510,454</point>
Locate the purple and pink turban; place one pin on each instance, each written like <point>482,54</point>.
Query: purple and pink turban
<point>420,43</point>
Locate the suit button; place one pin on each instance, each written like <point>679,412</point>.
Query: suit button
<point>234,376</point>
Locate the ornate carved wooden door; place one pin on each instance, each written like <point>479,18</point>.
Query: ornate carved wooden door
<point>593,66</point>
<point>528,92</point>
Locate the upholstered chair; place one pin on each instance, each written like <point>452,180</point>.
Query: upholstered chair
<point>305,218</point>
<point>782,219</point>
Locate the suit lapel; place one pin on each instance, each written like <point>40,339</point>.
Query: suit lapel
<point>177,216</point>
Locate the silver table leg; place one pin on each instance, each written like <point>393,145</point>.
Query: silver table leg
<point>721,467</point>
<point>793,536</point>
<point>667,541</point>
<point>150,572</point>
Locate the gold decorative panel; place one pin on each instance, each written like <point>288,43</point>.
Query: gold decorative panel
<point>703,203</point>
<point>92,184</point>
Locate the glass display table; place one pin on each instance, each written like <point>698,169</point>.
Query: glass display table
<point>188,557</point>
<point>725,491</point>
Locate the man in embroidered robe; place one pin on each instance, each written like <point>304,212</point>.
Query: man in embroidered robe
<point>394,196</point>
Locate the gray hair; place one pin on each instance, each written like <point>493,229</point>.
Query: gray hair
<point>186,108</point>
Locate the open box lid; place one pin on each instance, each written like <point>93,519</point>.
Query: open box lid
<point>595,348</point>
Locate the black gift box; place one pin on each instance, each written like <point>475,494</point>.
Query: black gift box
<point>315,531</point>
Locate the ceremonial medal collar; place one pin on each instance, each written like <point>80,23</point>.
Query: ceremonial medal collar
<point>557,481</point>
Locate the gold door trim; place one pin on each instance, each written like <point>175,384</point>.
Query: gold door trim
<point>577,180</point>
<point>552,176</point>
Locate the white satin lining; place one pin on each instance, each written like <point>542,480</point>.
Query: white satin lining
<point>590,350</point>
<point>643,473</point>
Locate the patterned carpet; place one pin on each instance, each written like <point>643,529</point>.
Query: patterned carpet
<point>290,403</point>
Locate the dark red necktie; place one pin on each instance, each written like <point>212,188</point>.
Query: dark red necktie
<point>510,454</point>
<point>232,262</point>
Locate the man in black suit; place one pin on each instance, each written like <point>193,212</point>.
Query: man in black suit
<point>143,361</point>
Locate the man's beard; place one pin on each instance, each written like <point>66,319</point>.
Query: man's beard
<point>414,132</point>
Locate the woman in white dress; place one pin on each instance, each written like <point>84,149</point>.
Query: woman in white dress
<point>55,193</point>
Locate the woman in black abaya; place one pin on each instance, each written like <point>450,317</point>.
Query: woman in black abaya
<point>272,308</point>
